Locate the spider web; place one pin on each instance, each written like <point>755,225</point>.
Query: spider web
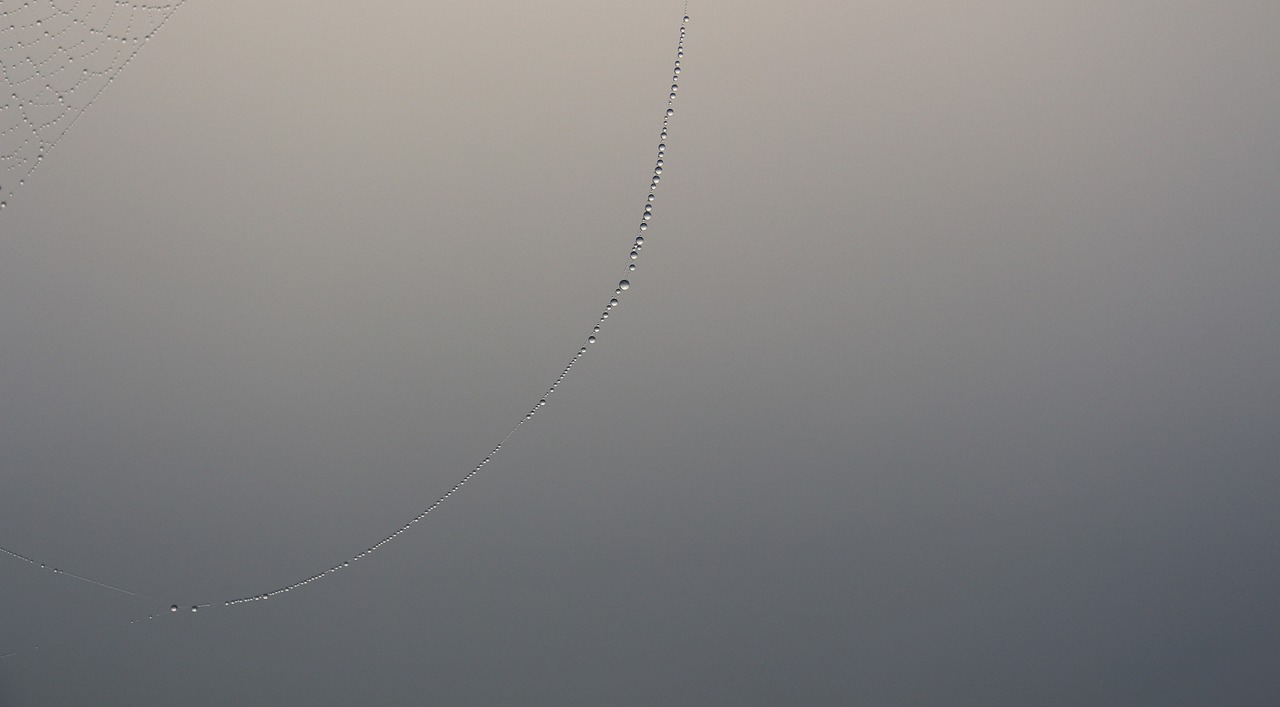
<point>56,58</point>
<point>59,55</point>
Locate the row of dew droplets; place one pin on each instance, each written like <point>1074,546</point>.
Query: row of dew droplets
<point>56,58</point>
<point>72,575</point>
<point>622,287</point>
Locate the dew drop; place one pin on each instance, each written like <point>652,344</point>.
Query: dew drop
<point>613,302</point>
<point>634,255</point>
<point>624,285</point>
<point>591,339</point>
<point>671,111</point>
<point>631,266</point>
<point>194,609</point>
<point>173,608</point>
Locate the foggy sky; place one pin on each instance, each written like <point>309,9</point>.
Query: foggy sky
<point>948,374</point>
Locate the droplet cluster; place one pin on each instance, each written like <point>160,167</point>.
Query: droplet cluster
<point>56,58</point>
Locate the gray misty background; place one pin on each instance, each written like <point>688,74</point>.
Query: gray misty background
<point>948,376</point>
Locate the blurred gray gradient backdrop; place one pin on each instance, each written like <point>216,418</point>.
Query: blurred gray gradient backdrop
<point>949,374</point>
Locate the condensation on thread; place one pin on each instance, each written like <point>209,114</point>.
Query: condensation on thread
<point>622,286</point>
<point>73,575</point>
<point>55,62</point>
